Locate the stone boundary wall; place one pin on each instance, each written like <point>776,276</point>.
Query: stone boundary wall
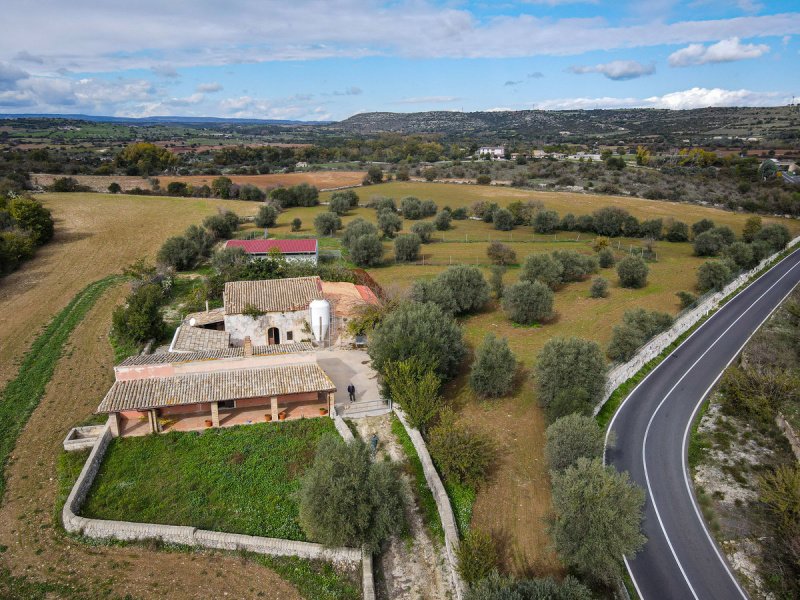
<point>192,536</point>
<point>788,431</point>
<point>621,373</point>
<point>342,428</point>
<point>451,538</point>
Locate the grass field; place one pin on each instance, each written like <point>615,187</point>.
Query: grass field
<point>237,480</point>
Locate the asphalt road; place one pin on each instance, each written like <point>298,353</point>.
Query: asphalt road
<point>680,559</point>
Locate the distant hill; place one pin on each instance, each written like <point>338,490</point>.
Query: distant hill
<point>781,122</point>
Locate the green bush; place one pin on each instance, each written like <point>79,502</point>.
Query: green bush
<point>687,299</point>
<point>442,219</point>
<point>707,244</point>
<point>606,258</point>
<point>496,280</point>
<point>702,226</point>
<point>741,255</point>
<point>469,287</point>
<point>406,247</point>
<point>570,368</point>
<point>221,226</point>
<point>528,302</point>
<point>751,228</point>
<point>419,330</point>
<point>546,221</point>
<point>389,222</point>
<point>776,235</point>
<point>677,231</point>
<point>327,223</point>
<point>339,205</point>
<point>477,557</point>
<point>266,216</point>
<point>251,193</point>
<point>435,291</point>
<point>366,250</point>
<point>599,288</point>
<point>575,266</point>
<point>497,587</point>
<point>415,388</point>
<point>503,219</point>
<point>349,195</point>
<point>424,231</point>
<point>33,218</point>
<point>713,275</point>
<point>302,194</point>
<point>572,437</point>
<point>346,499</point>
<point>380,203</point>
<point>542,267</point>
<point>411,208</point>
<point>461,454</point>
<point>228,262</point>
<point>493,369</point>
<point>297,224</point>
<point>355,229</point>
<point>140,319</point>
<point>632,272</point>
<point>638,326</point>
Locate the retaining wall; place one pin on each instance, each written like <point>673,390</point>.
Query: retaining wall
<point>192,536</point>
<point>451,538</point>
<point>621,373</point>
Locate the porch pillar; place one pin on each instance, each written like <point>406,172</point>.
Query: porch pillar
<point>113,424</point>
<point>215,414</point>
<point>152,418</point>
<point>331,404</point>
<point>273,402</point>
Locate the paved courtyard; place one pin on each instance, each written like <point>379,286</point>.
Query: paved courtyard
<point>350,366</point>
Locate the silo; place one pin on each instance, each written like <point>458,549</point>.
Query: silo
<point>320,318</point>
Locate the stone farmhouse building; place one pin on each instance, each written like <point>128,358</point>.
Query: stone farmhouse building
<point>171,391</point>
<point>493,151</point>
<point>290,250</point>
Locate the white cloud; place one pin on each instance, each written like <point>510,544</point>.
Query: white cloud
<point>293,109</point>
<point>428,100</point>
<point>10,75</point>
<point>723,51</point>
<point>209,88</point>
<point>618,70</point>
<point>692,98</point>
<point>165,71</point>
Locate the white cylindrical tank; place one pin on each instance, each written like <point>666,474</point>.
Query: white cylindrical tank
<point>320,318</point>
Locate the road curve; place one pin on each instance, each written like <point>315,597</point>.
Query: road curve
<point>680,560</point>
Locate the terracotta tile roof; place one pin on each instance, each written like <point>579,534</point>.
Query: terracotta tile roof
<point>156,392</point>
<point>272,295</point>
<point>284,246</point>
<point>161,358</point>
<point>215,315</point>
<point>347,299</point>
<point>197,339</point>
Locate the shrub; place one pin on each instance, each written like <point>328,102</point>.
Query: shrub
<point>599,288</point>
<point>406,247</point>
<point>651,229</point>
<point>380,203</point>
<point>677,231</point>
<point>140,319</point>
<point>528,302</point>
<point>339,205</point>
<point>229,261</point>
<point>461,454</point>
<point>366,250</point>
<point>346,499</point>
<point>411,208</point>
<point>356,229</point>
<point>610,221</point>
<point>758,394</point>
<point>185,252</point>
<point>434,291</point>
<point>483,180</point>
<point>702,226</point>
<point>600,243</point>
<point>606,258</point>
<point>740,254</point>
<point>503,219</point>
<point>713,275</point>
<point>542,267</point>
<point>415,388</point>
<point>469,287</point>
<point>707,244</point>
<point>751,228</point>
<point>575,266</point>
<point>374,174</point>
<point>114,188</point>
<point>776,235</point>
<point>570,438</point>
<point>177,188</point>
<point>568,222</point>
<point>496,280</point>
<point>477,557</point>
<point>251,193</point>
<point>33,218</point>
<point>428,208</point>
<point>349,195</point>
<point>594,541</point>
<point>632,272</point>
<point>493,369</point>
<point>501,254</point>
<point>460,213</point>
<point>266,216</point>
<point>570,368</point>
<point>419,330</point>
<point>327,223</point>
<point>297,224</point>
<point>389,223</point>
<point>442,219</point>
<point>302,194</point>
<point>545,221</point>
<point>497,587</point>
<point>724,233</point>
<point>220,227</point>
<point>686,299</point>
<point>779,493</point>
<point>424,231</point>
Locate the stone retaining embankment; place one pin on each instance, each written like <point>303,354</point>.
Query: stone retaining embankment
<point>448,519</point>
<point>191,536</point>
<point>621,373</point>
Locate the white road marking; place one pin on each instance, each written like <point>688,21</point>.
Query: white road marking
<point>647,430</point>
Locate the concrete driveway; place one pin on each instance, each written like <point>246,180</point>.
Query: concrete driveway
<point>350,366</point>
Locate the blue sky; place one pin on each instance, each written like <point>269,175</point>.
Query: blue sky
<point>322,60</point>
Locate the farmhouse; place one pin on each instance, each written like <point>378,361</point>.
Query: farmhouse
<point>291,250</point>
<point>216,388</point>
<point>493,151</point>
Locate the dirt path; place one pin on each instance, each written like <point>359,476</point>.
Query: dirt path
<point>38,548</point>
<point>413,568</point>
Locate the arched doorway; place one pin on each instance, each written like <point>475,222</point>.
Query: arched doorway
<point>273,336</point>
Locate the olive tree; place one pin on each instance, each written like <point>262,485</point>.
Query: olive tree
<point>355,229</point>
<point>469,287</point>
<point>389,222</point>
<point>570,376</point>
<point>442,220</point>
<point>327,223</point>
<point>339,205</point>
<point>415,388</point>
<point>434,291</point>
<point>406,247</point>
<point>503,219</point>
<point>546,221</point>
<point>713,275</point>
<point>266,216</point>
<point>501,254</point>
<point>424,230</point>
<point>528,302</point>
<point>632,272</point>
<point>542,267</point>
<point>572,437</point>
<point>366,250</point>
<point>493,369</point>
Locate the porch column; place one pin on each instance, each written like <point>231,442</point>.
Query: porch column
<point>331,404</point>
<point>113,424</point>
<point>215,414</point>
<point>153,420</point>
<point>273,402</point>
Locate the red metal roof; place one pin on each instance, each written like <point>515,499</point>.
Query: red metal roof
<point>264,246</point>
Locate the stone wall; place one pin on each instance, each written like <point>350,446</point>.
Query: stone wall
<point>451,538</point>
<point>621,373</point>
<point>191,536</point>
<point>241,326</point>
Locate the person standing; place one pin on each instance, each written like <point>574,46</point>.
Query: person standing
<point>351,390</point>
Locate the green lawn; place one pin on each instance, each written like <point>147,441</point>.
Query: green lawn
<point>237,480</point>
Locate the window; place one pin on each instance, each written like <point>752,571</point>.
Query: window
<point>289,336</point>
<point>226,404</point>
